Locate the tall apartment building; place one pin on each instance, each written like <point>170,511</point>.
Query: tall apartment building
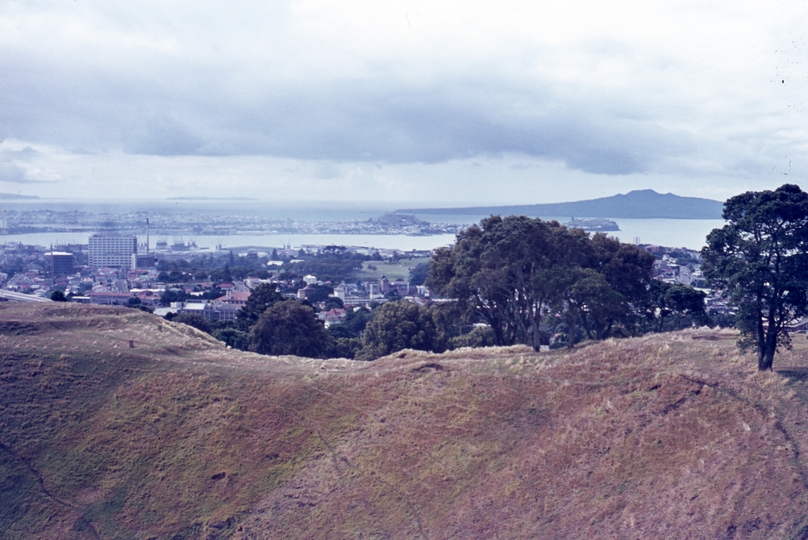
<point>111,250</point>
<point>59,263</point>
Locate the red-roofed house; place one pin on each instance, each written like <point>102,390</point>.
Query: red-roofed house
<point>236,298</point>
<point>333,316</point>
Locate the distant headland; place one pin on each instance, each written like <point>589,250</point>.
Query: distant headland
<point>640,204</point>
<point>211,199</point>
<point>16,197</point>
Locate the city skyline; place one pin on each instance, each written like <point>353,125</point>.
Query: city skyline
<point>459,103</point>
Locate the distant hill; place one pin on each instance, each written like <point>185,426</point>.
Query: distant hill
<point>171,435</point>
<point>640,204</point>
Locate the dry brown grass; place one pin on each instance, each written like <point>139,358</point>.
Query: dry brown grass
<point>663,436</point>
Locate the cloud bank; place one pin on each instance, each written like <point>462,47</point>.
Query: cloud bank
<point>403,99</point>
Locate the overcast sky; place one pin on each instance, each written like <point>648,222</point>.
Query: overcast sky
<point>444,102</point>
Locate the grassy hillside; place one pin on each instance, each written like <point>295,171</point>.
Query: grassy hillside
<point>177,437</point>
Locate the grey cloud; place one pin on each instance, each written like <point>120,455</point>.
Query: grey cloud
<point>326,170</point>
<point>11,172</point>
<point>14,174</point>
<point>26,154</point>
<point>162,136</point>
<point>376,121</point>
<point>429,127</point>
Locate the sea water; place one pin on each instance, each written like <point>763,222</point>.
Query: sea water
<point>688,233</point>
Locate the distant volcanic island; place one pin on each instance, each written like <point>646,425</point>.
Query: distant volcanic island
<point>639,204</point>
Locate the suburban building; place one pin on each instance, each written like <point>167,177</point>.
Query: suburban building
<point>106,298</point>
<point>211,310</point>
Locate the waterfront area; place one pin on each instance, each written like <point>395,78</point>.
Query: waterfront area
<point>178,223</point>
<point>216,225</point>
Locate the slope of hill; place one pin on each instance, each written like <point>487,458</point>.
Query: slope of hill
<point>671,436</point>
<point>640,204</point>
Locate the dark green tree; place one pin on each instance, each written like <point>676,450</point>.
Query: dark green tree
<point>449,324</point>
<point>490,271</point>
<point>173,295</point>
<point>628,271</point>
<point>334,302</point>
<point>480,336</point>
<point>289,327</point>
<point>675,306</point>
<point>597,304</point>
<point>514,272</point>
<point>321,293</point>
<point>392,294</point>
<point>759,260</point>
<point>418,273</point>
<point>176,276</point>
<point>262,297</point>
<point>357,321</point>
<point>192,319</point>
<point>339,331</point>
<point>236,339</point>
<point>395,326</point>
<point>346,348</point>
<point>58,296</point>
<point>239,272</point>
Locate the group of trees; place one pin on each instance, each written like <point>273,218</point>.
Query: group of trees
<point>277,326</point>
<point>525,277</point>
<point>272,324</point>
<point>209,267</point>
<point>332,263</point>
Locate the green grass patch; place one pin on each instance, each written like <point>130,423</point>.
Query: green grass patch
<point>393,271</point>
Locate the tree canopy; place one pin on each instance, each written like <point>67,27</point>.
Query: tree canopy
<point>395,326</point>
<point>289,327</point>
<point>513,272</point>
<point>759,259</point>
<point>192,319</point>
<point>675,305</point>
<point>58,296</point>
<point>262,297</point>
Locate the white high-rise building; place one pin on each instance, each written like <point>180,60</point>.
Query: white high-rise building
<point>111,250</point>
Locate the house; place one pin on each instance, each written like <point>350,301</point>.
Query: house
<point>305,292</point>
<point>333,316</point>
